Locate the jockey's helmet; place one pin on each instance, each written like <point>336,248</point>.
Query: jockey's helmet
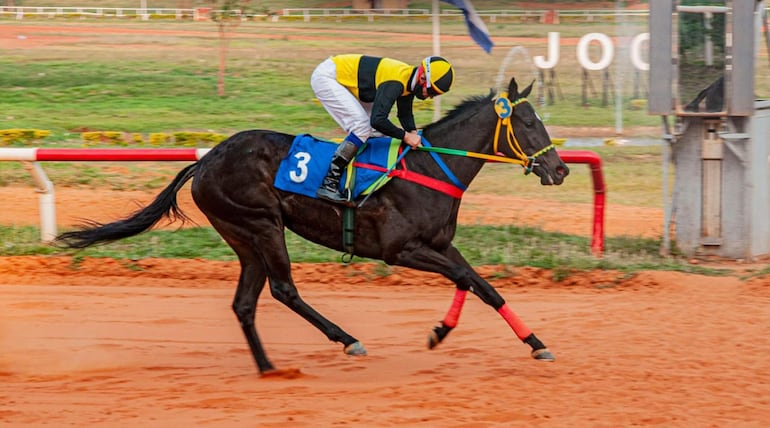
<point>438,74</point>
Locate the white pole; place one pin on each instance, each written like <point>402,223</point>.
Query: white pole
<point>436,52</point>
<point>708,43</point>
<point>143,6</point>
<point>760,24</point>
<point>620,71</point>
<point>47,217</point>
<point>436,29</point>
<point>668,140</point>
<point>47,201</point>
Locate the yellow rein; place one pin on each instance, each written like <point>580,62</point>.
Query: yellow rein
<point>504,108</point>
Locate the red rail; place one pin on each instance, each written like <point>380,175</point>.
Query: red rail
<point>600,191</point>
<point>191,154</point>
<point>117,154</point>
<point>67,154</point>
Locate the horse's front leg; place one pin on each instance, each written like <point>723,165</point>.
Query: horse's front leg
<point>489,295</point>
<point>450,320</point>
<point>453,265</point>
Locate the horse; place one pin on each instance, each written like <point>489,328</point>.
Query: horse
<point>405,223</point>
<point>713,94</point>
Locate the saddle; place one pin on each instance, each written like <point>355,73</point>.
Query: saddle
<point>303,169</point>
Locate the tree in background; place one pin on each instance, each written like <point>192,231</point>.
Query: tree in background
<point>228,15</point>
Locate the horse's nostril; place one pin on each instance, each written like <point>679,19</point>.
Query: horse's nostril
<point>562,171</point>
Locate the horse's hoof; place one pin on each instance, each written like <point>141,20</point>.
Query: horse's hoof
<point>433,340</point>
<point>356,349</point>
<point>437,335</point>
<point>543,355</point>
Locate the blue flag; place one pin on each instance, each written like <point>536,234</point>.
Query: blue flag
<point>476,28</point>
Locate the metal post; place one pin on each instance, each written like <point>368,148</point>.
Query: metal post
<point>712,158</point>
<point>660,100</point>
<point>708,44</point>
<point>668,139</point>
<point>47,201</point>
<point>436,52</point>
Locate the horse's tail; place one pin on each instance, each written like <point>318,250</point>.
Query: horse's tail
<point>164,205</point>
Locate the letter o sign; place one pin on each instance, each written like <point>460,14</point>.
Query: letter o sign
<point>608,51</point>
<point>636,51</point>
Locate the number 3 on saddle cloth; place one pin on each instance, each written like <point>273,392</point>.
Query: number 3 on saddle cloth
<point>302,171</point>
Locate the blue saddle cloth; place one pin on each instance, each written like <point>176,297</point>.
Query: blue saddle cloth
<point>302,171</point>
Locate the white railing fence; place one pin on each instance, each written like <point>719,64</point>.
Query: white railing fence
<point>306,14</point>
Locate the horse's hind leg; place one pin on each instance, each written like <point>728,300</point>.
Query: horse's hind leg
<point>283,289</point>
<point>250,285</point>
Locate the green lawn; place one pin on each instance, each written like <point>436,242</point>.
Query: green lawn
<point>130,77</point>
<point>135,79</point>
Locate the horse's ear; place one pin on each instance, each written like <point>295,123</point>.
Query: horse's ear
<point>513,89</point>
<point>527,90</point>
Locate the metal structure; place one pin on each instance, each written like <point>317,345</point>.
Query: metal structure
<point>721,199</point>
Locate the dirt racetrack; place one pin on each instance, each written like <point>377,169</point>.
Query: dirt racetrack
<point>154,342</point>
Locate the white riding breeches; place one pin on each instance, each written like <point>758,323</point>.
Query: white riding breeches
<point>348,111</point>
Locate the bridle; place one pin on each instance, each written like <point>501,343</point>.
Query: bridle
<point>504,109</point>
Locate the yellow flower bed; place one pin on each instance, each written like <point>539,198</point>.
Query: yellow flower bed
<point>156,139</point>
<point>197,139</point>
<point>98,138</point>
<point>25,137</point>
<point>32,137</point>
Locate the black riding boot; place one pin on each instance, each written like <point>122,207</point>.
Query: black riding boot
<point>329,189</point>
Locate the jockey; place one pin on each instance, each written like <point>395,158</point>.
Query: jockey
<point>359,92</point>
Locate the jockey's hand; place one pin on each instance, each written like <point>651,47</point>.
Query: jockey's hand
<point>413,139</point>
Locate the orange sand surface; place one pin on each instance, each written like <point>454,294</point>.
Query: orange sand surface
<point>108,343</point>
<point>154,343</point>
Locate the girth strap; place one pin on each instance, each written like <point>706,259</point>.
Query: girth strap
<point>348,227</point>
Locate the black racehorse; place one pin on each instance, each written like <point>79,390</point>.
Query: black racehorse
<point>405,223</point>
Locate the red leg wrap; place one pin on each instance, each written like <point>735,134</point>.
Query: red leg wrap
<point>451,318</point>
<point>518,326</point>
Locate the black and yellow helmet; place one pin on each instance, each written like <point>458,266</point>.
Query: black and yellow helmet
<point>438,74</point>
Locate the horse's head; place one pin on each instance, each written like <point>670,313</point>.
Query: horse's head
<point>530,136</point>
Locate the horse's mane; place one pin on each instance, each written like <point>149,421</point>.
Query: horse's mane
<point>467,107</point>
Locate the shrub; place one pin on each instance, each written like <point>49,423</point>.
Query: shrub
<point>196,139</point>
<point>24,137</point>
<point>637,104</point>
<point>137,139</point>
<point>159,139</point>
<point>95,138</point>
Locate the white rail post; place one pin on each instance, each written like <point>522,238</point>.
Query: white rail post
<point>436,17</point>
<point>47,201</point>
